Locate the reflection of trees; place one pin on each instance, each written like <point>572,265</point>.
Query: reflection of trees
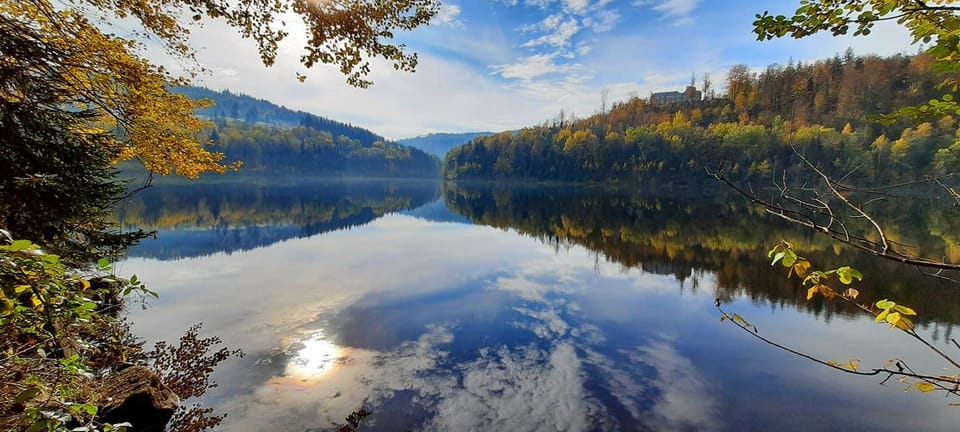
<point>685,231</point>
<point>201,219</point>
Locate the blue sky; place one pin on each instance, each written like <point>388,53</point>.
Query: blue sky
<point>504,64</point>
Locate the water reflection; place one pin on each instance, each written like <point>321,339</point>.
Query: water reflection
<point>681,231</point>
<point>441,326</point>
<point>198,219</point>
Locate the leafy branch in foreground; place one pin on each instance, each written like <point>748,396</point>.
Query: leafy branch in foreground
<point>61,340</point>
<point>824,283</point>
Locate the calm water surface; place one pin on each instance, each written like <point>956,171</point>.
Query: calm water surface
<point>496,308</point>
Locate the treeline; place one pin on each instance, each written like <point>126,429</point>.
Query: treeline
<point>308,151</point>
<point>824,110</point>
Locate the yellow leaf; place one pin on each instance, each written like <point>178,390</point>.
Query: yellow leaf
<point>852,365</point>
<point>893,318</point>
<point>851,293</point>
<point>813,290</point>
<point>801,267</point>
<point>37,304</point>
<point>85,283</point>
<point>723,318</point>
<point>925,387</point>
<point>739,320</point>
<point>904,310</point>
<point>904,324</point>
<point>827,292</point>
<point>882,315</point>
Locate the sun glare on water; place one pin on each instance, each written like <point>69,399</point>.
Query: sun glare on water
<point>316,358</point>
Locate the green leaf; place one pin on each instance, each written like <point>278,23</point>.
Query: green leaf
<point>19,245</point>
<point>103,264</point>
<point>789,258</point>
<point>847,275</point>
<point>885,304</point>
<point>773,251</point>
<point>779,256</point>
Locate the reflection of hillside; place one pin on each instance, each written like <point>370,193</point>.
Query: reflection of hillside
<point>201,219</point>
<point>685,231</point>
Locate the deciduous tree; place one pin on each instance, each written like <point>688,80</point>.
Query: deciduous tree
<point>131,96</point>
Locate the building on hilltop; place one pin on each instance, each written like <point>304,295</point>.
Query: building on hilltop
<point>690,94</point>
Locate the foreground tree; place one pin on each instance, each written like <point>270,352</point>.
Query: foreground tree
<point>58,184</point>
<point>131,97</point>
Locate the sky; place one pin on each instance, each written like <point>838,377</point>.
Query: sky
<point>495,65</point>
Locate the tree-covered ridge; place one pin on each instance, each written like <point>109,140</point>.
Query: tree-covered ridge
<point>823,109</point>
<point>272,139</point>
<point>684,231</point>
<point>240,107</point>
<point>307,151</point>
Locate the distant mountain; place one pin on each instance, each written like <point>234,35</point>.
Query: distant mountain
<point>271,139</point>
<point>439,143</point>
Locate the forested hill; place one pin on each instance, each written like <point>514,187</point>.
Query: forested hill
<point>239,107</point>
<point>823,109</point>
<point>438,144</point>
<point>271,139</point>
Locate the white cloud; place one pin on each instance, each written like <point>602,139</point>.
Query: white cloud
<point>448,15</point>
<point>559,38</point>
<point>683,401</point>
<point>604,21</point>
<point>679,11</point>
<point>532,67</point>
<point>577,6</point>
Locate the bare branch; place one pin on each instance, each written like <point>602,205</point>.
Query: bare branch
<point>805,219</point>
<point>885,247</point>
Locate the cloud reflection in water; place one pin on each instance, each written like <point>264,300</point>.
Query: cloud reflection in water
<point>550,369</point>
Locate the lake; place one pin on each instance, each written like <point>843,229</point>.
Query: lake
<point>493,307</point>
